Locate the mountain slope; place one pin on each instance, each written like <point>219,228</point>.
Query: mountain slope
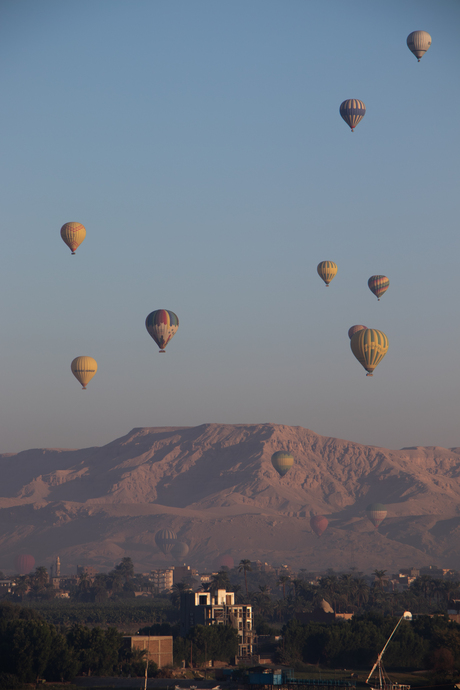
<point>215,486</point>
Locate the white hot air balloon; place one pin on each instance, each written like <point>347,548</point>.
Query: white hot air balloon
<point>418,43</point>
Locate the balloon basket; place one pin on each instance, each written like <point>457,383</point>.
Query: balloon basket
<point>162,351</point>
<point>369,374</point>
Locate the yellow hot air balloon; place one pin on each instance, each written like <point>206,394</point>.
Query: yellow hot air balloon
<point>84,368</point>
<point>369,346</point>
<point>73,235</point>
<point>326,271</point>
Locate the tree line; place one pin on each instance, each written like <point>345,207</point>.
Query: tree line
<point>424,643</point>
<point>32,649</point>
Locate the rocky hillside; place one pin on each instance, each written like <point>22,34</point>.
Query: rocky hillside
<point>214,485</point>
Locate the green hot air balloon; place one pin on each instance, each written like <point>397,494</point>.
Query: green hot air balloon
<point>282,462</point>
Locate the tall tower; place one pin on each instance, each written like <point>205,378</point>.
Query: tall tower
<point>57,567</point>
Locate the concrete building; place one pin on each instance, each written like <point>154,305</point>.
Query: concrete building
<point>162,579</point>
<point>184,572</point>
<point>159,647</point>
<point>202,608</point>
<point>88,570</point>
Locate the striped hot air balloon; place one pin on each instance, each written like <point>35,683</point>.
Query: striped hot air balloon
<point>326,271</point>
<point>352,111</point>
<point>83,368</point>
<point>418,43</point>
<point>282,462</point>
<point>369,346</point>
<point>355,329</point>
<point>376,512</point>
<point>162,325</point>
<point>378,285</point>
<point>73,235</point>
<point>165,539</point>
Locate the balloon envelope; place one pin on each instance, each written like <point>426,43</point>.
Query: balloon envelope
<point>224,561</point>
<point>352,111</point>
<point>418,43</point>
<point>326,271</point>
<point>378,285</point>
<point>73,235</point>
<point>179,550</point>
<point>162,325</point>
<point>318,523</point>
<point>165,539</point>
<point>282,462</point>
<point>24,563</point>
<point>83,368</point>
<point>369,347</point>
<point>355,329</point>
<point>376,512</point>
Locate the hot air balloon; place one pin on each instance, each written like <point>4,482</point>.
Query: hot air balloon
<point>179,550</point>
<point>376,512</point>
<point>355,329</point>
<point>352,111</point>
<point>24,564</point>
<point>165,539</point>
<point>162,325</point>
<point>73,235</point>
<point>369,347</point>
<point>224,561</point>
<point>282,462</point>
<point>84,368</point>
<point>418,43</point>
<point>378,285</point>
<point>318,523</point>
<point>326,271</point>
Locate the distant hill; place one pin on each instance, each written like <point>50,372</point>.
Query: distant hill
<point>215,486</point>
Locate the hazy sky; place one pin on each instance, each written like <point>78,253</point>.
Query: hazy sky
<point>200,143</point>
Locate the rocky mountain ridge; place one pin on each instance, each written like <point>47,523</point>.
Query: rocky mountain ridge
<point>215,486</point>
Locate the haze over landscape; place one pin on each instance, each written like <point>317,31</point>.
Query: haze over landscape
<point>215,487</point>
<point>201,146</point>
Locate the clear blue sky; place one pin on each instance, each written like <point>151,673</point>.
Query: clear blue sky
<point>200,143</point>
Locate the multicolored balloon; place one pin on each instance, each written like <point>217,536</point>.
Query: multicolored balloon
<point>83,368</point>
<point>165,539</point>
<point>282,462</point>
<point>352,111</point>
<point>378,285</point>
<point>73,235</point>
<point>327,270</point>
<point>418,43</point>
<point>376,512</point>
<point>355,329</point>
<point>319,524</point>
<point>369,346</point>
<point>162,325</point>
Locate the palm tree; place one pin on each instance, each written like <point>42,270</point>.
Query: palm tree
<point>379,577</point>
<point>245,566</point>
<point>282,581</point>
<point>177,589</point>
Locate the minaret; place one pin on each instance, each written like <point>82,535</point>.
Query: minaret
<point>57,567</point>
